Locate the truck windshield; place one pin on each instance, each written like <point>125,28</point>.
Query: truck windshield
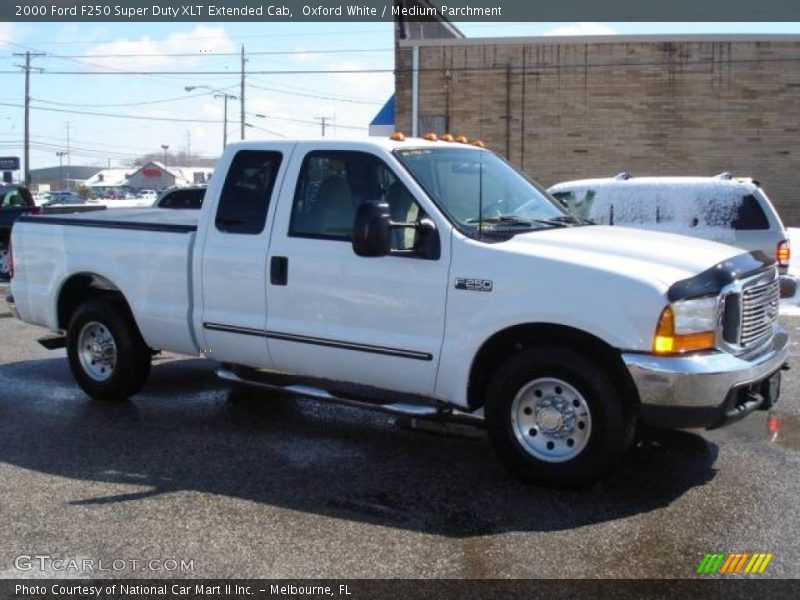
<point>474,186</point>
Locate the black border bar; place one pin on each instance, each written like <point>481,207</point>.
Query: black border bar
<point>699,588</point>
<point>387,10</point>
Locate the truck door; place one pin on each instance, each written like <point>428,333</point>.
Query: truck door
<point>234,311</point>
<point>332,314</point>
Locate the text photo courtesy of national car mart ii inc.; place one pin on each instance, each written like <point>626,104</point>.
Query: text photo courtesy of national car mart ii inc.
<point>211,11</point>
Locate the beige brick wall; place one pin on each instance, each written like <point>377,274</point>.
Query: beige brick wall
<point>594,109</point>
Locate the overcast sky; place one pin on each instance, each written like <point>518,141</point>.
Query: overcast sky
<point>292,103</point>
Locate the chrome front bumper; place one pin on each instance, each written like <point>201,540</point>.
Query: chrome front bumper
<point>702,390</point>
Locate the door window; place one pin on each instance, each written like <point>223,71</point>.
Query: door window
<point>12,198</point>
<point>246,193</point>
<point>332,185</point>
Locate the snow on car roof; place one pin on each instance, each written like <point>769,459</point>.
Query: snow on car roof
<point>650,182</point>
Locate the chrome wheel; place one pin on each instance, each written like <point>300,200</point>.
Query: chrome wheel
<point>551,420</point>
<point>97,351</point>
<point>4,263</point>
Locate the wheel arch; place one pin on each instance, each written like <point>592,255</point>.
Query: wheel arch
<point>507,342</point>
<point>78,288</point>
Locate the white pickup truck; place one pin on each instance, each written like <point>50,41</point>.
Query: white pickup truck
<point>417,277</point>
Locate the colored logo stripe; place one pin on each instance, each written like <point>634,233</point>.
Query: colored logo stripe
<point>734,563</point>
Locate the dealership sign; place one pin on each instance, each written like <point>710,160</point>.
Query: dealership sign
<point>9,163</point>
<point>151,172</point>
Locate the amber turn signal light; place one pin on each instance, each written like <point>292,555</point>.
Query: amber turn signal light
<point>666,341</point>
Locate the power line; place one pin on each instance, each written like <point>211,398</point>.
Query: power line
<point>312,95</point>
<point>224,54</point>
<point>514,69</point>
<point>114,115</point>
<point>169,119</point>
<point>259,35</point>
<point>141,103</point>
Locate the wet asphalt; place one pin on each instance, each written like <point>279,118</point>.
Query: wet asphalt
<point>256,485</point>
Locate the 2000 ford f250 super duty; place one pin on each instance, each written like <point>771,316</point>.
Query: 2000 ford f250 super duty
<point>419,277</point>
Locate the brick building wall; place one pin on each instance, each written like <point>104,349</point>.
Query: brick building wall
<point>569,108</point>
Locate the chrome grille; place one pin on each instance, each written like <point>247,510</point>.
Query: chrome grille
<point>760,305</point>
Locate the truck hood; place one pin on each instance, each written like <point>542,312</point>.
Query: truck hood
<point>641,254</point>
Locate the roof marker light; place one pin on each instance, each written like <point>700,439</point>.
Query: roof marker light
<point>398,136</point>
<point>478,143</point>
<point>462,139</point>
<point>431,137</point>
<point>447,137</point>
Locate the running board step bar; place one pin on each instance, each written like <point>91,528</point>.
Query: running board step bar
<point>416,411</point>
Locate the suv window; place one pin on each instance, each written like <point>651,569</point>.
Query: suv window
<point>750,216</point>
<point>246,194</point>
<point>12,198</point>
<point>189,198</point>
<point>578,202</point>
<point>332,185</point>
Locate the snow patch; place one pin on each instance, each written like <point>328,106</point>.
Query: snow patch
<point>708,211</point>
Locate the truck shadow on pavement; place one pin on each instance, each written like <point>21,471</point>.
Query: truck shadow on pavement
<point>188,431</point>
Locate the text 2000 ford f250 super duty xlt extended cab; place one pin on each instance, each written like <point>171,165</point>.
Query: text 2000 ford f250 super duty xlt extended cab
<point>420,277</point>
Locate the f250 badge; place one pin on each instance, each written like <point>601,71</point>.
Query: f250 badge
<point>474,285</point>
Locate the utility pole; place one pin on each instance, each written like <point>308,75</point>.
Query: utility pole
<point>60,154</point>
<point>28,56</point>
<point>225,119</point>
<point>189,148</point>
<point>241,92</point>
<point>323,121</point>
<point>69,159</point>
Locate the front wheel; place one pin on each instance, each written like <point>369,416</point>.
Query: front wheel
<point>107,355</point>
<point>555,417</point>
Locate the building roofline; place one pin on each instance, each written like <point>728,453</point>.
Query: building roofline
<point>601,39</point>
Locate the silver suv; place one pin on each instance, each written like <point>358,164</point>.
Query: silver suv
<point>725,209</point>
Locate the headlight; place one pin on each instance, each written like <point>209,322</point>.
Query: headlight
<point>687,326</point>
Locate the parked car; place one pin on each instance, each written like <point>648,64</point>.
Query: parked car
<point>182,198</point>
<point>40,198</point>
<point>15,200</point>
<point>62,198</point>
<point>420,278</point>
<point>147,195</point>
<point>726,209</point>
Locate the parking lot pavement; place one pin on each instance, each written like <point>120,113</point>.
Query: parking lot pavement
<point>248,484</point>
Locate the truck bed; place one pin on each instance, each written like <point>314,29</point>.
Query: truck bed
<point>145,253</point>
<point>149,219</point>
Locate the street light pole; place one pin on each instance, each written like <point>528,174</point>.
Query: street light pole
<point>165,147</point>
<point>225,97</point>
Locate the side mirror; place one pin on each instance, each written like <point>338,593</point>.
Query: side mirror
<point>371,229</point>
<point>428,244</point>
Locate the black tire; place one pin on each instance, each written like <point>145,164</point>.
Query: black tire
<point>4,258</point>
<point>611,425</point>
<point>131,367</point>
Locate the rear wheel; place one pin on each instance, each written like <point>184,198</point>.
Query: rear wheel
<point>107,355</point>
<point>556,417</point>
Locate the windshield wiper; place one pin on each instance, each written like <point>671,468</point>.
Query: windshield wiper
<point>504,219</point>
<point>572,219</point>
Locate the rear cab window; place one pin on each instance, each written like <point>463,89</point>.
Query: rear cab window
<point>247,191</point>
